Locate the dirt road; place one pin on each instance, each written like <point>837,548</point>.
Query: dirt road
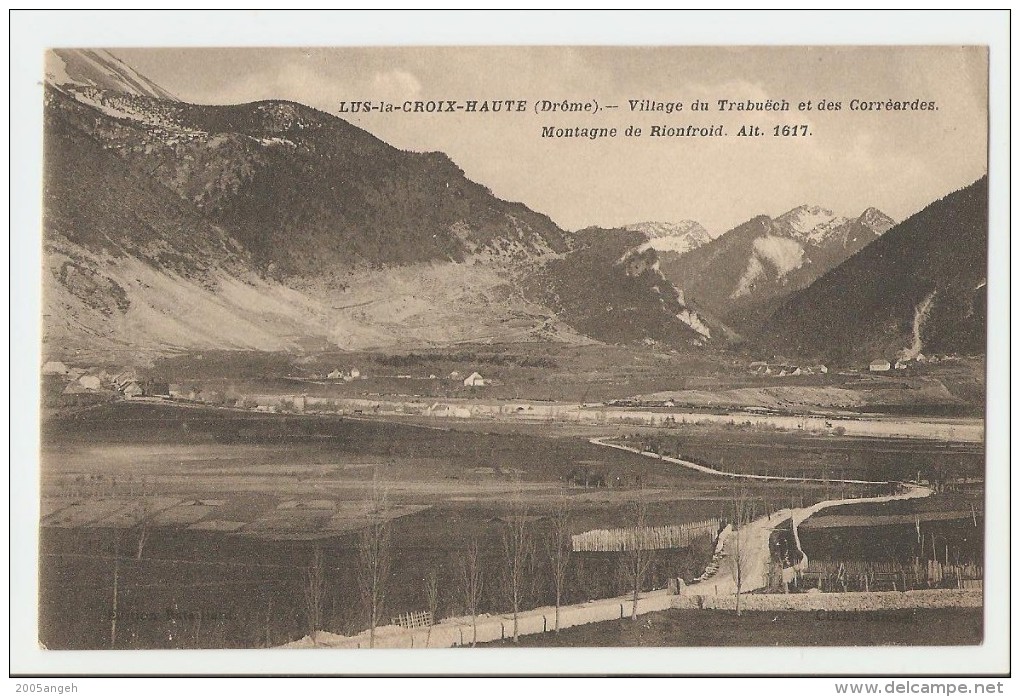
<point>750,546</point>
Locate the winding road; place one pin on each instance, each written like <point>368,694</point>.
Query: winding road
<point>753,538</point>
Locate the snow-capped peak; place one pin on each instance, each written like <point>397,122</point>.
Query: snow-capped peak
<point>681,236</point>
<point>100,69</point>
<point>876,220</point>
<point>812,224</point>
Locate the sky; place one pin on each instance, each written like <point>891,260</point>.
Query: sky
<point>896,161</point>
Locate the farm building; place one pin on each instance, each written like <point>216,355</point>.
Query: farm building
<point>455,375</point>
<point>474,380</point>
<point>54,368</point>
<point>879,366</point>
<point>355,373</point>
<point>122,379</point>
<point>900,365</point>
<point>335,375</point>
<point>132,390</point>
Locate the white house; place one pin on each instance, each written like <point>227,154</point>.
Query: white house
<point>474,380</point>
<point>355,373</point>
<point>879,366</point>
<point>132,390</point>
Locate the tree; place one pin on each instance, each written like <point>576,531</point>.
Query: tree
<point>432,600</point>
<point>471,582</point>
<point>143,524</point>
<point>374,556</point>
<point>116,583</point>
<point>738,560</point>
<point>314,592</point>
<point>517,554</point>
<point>638,553</point>
<point>558,547</point>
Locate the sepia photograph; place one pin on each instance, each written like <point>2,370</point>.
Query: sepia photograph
<point>513,347</point>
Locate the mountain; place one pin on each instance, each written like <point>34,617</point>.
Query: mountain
<point>303,191</point>
<point>608,286</point>
<point>678,237</point>
<point>273,226</point>
<point>99,69</point>
<point>743,274</point>
<point>128,264</point>
<point>921,287</point>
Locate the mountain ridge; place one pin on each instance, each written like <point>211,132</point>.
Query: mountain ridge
<point>339,236</point>
<point>921,287</point>
<point>742,274</point>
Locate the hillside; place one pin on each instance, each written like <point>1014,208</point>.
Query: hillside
<point>607,287</point>
<point>130,265</point>
<point>921,287</point>
<point>743,274</point>
<point>274,226</point>
<point>305,192</point>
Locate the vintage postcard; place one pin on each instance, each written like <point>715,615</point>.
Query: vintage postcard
<point>564,346</point>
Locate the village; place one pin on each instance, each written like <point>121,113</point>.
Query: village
<point>79,385</point>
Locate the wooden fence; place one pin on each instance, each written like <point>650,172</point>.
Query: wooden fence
<point>661,537</point>
<point>888,575</point>
<point>413,620</point>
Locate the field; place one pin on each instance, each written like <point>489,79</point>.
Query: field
<point>955,541</point>
<point>798,455</point>
<point>232,486</point>
<point>235,504</point>
<point>721,628</point>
